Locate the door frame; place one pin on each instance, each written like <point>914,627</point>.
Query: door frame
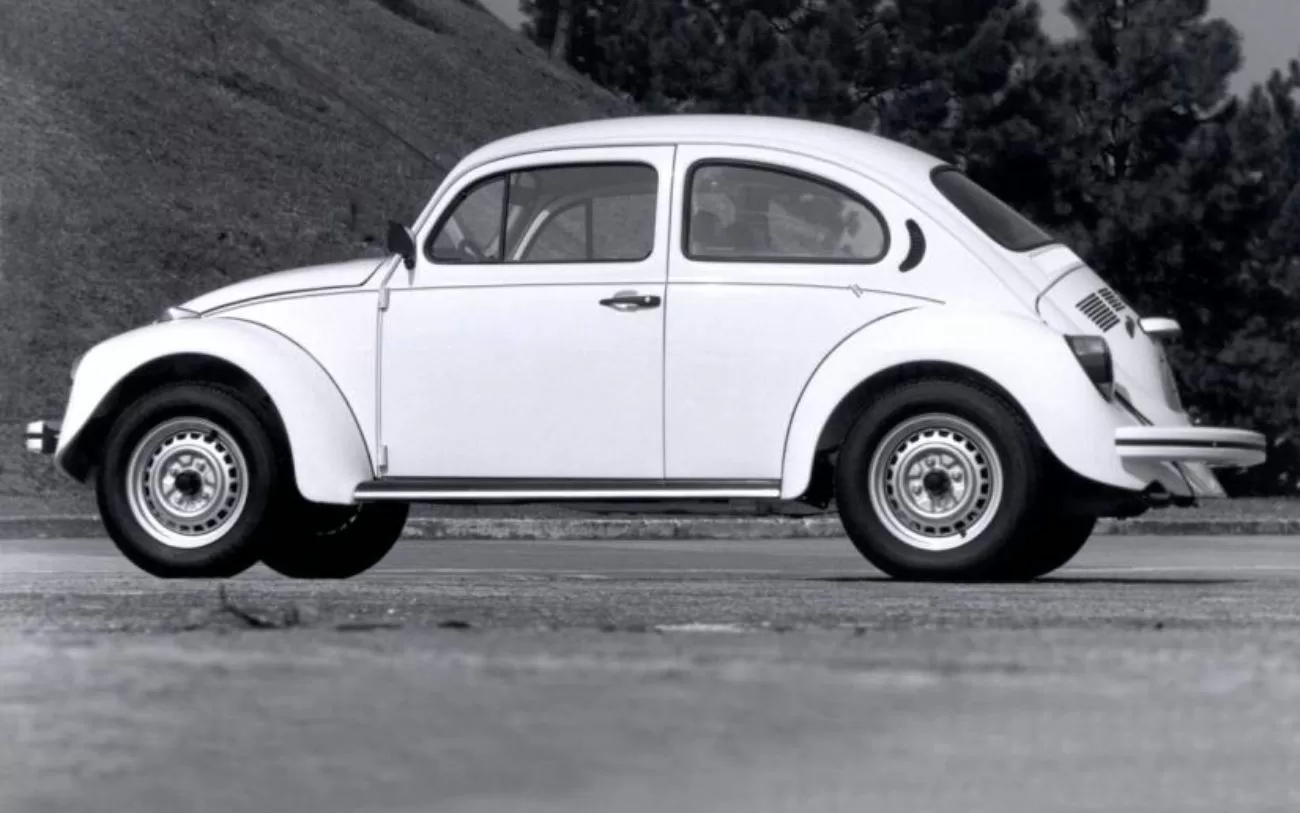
<point>423,489</point>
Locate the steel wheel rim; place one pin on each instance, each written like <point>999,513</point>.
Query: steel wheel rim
<point>935,482</point>
<point>187,483</point>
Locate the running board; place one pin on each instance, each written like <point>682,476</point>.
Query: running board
<point>422,489</point>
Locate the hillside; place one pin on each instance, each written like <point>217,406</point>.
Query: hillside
<point>154,149</point>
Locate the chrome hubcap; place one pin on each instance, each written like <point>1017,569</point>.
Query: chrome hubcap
<point>936,482</point>
<point>187,483</point>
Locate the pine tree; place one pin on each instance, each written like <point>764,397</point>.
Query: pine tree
<point>1162,181</point>
<point>1254,377</point>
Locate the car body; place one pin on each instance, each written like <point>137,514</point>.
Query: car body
<point>682,307</point>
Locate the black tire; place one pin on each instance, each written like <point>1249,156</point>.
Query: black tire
<point>981,430</point>
<point>226,436</point>
<point>1057,540</point>
<point>335,541</point>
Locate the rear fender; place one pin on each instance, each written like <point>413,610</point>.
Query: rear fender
<point>1029,361</point>
<point>328,449</point>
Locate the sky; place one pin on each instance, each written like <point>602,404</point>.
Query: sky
<point>1270,30</point>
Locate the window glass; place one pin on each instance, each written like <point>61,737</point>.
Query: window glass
<point>591,213</point>
<point>562,237</point>
<point>473,232</point>
<point>751,213</point>
<point>584,213</point>
<point>623,226</point>
<point>1003,224</point>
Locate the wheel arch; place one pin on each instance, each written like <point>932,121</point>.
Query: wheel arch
<point>308,412</point>
<point>1024,362</point>
<point>855,400</point>
<point>78,458</point>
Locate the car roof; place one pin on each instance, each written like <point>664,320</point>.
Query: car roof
<point>818,139</point>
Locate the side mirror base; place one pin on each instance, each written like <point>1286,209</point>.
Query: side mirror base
<point>402,243</point>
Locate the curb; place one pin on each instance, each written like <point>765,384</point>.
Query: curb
<point>666,528</point>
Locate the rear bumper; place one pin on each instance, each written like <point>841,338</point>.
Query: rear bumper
<point>1212,446</point>
<point>43,437</point>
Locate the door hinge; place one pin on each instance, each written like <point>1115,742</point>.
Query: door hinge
<point>383,459</point>
<point>383,299</point>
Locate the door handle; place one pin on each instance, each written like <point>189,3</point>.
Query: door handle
<point>631,301</point>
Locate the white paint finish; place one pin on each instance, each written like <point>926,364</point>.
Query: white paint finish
<point>517,370</point>
<point>329,452</point>
<point>738,357</point>
<point>519,381</point>
<point>1139,358</point>
<point>1030,360</point>
<point>339,330</point>
<point>346,274</point>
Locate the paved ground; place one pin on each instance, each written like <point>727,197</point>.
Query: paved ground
<point>1155,674</point>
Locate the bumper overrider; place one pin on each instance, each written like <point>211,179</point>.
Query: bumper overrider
<point>43,437</point>
<point>1194,452</point>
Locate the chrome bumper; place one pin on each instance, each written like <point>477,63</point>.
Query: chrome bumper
<point>1213,447</point>
<point>43,437</point>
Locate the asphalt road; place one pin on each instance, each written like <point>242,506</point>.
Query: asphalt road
<point>1154,674</point>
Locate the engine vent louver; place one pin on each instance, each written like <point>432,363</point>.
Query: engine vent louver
<point>1113,299</point>
<point>1096,307</point>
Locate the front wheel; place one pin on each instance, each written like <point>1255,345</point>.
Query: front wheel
<point>335,541</point>
<point>188,482</point>
<point>939,480</point>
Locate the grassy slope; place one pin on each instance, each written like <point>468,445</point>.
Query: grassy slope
<point>154,149</point>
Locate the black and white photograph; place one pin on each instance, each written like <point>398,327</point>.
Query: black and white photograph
<point>551,406</point>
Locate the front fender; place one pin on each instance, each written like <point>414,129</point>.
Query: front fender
<point>325,440</point>
<point>1026,358</point>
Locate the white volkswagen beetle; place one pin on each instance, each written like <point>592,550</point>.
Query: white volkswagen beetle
<point>681,307</point>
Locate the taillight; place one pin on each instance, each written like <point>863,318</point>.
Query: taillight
<point>1093,355</point>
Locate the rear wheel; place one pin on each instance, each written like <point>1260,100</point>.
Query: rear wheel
<point>1057,540</point>
<point>938,480</point>
<point>188,482</point>
<point>335,541</point>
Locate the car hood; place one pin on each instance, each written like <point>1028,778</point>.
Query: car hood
<point>347,274</point>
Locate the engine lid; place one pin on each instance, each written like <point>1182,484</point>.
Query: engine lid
<point>1075,299</point>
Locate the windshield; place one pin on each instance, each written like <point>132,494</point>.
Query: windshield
<point>1007,227</point>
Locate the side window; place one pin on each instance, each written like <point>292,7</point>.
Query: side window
<point>571,213</point>
<point>563,236</point>
<point>623,226</point>
<point>473,231</point>
<point>742,212</point>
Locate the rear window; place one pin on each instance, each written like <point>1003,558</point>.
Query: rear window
<point>1004,225</point>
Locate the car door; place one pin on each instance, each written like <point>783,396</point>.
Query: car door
<point>777,258</point>
<point>527,341</point>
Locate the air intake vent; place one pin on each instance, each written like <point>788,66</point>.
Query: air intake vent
<point>1112,299</point>
<point>1098,312</point>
